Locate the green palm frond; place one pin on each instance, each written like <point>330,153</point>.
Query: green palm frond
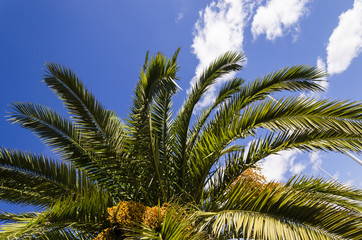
<point>305,124</point>
<point>28,178</point>
<point>223,65</point>
<point>148,120</point>
<point>161,118</point>
<point>303,140</point>
<point>66,139</point>
<point>226,92</point>
<point>11,217</point>
<point>96,122</point>
<point>295,78</point>
<point>249,209</point>
<point>52,128</point>
<point>343,195</point>
<point>178,224</point>
<point>83,214</point>
<point>252,225</point>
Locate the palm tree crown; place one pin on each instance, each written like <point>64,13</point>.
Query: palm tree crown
<point>154,157</point>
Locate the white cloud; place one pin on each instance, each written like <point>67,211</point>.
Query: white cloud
<point>322,65</point>
<point>278,17</point>
<point>316,158</point>
<point>274,167</point>
<point>297,168</point>
<point>345,43</point>
<point>220,28</point>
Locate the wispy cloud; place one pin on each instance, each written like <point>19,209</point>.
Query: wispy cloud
<point>316,158</point>
<point>336,175</point>
<point>277,17</point>
<point>345,43</point>
<point>180,16</point>
<point>220,28</point>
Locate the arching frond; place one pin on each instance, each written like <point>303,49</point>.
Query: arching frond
<point>28,178</point>
<point>251,210</point>
<point>81,215</point>
<point>226,92</point>
<point>295,78</point>
<point>100,126</point>
<point>343,195</point>
<point>223,65</point>
<point>66,138</point>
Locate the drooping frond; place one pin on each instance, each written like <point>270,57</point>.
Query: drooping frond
<point>343,195</point>
<point>251,210</point>
<point>305,124</point>
<point>64,137</point>
<point>28,178</point>
<point>78,215</point>
<point>305,140</point>
<point>295,78</point>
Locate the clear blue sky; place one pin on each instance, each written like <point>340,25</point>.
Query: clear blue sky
<point>104,43</point>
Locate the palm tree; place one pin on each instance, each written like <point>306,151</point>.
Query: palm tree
<point>152,158</point>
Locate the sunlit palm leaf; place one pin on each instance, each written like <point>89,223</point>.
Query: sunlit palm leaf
<point>250,209</point>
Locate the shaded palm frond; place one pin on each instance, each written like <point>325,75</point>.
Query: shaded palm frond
<point>253,225</point>
<point>295,78</point>
<point>177,224</point>
<point>302,140</point>
<point>11,217</point>
<point>305,124</point>
<point>162,122</point>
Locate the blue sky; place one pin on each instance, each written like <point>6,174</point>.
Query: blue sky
<point>104,43</point>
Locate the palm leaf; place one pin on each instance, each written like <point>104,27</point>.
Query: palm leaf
<point>100,126</point>
<point>223,65</point>
<point>62,135</point>
<point>33,179</point>
<point>78,215</point>
<point>250,209</point>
